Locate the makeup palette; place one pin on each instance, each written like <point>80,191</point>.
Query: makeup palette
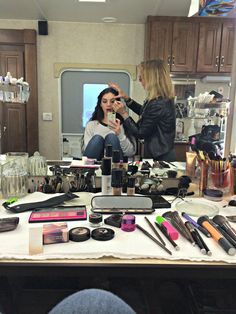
<point>58,214</point>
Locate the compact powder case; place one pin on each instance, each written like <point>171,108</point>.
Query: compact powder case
<point>79,234</point>
<point>102,234</point>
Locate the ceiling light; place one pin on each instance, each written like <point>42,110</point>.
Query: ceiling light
<point>109,19</point>
<point>92,0</point>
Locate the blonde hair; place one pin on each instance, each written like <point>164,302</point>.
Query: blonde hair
<point>156,76</point>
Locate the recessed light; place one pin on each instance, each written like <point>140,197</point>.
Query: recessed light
<point>91,0</point>
<point>109,19</point>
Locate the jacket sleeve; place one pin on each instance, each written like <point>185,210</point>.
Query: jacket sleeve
<point>135,107</point>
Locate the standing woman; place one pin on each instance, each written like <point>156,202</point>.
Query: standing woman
<point>100,131</point>
<point>157,115</point>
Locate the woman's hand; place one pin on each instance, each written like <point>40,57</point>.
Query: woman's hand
<point>119,107</point>
<point>122,94</point>
<point>115,126</point>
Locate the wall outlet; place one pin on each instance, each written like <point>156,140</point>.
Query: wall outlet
<point>47,116</point>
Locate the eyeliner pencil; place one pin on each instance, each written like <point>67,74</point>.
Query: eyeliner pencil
<point>163,230</point>
<point>155,231</point>
<point>153,239</point>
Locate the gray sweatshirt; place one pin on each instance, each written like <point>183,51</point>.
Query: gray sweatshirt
<point>96,128</point>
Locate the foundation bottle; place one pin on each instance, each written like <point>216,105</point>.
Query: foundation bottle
<point>125,163</point>
<point>115,159</point>
<point>131,186</point>
<point>116,181</point>
<point>106,176</point>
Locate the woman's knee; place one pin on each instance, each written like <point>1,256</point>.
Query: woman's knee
<point>93,301</point>
<point>97,138</point>
<point>111,137</point>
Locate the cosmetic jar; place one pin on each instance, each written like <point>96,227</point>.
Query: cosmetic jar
<point>103,234</point>
<point>128,223</point>
<point>79,234</point>
<point>213,195</point>
<point>95,220</point>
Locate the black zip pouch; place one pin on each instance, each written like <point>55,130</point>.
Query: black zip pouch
<point>54,201</point>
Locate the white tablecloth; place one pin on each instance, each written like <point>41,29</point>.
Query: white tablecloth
<point>125,245</point>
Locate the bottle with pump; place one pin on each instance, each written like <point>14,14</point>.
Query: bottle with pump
<point>106,176</point>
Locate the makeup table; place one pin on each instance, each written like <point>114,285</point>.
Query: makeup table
<point>130,256</point>
<point>126,253</point>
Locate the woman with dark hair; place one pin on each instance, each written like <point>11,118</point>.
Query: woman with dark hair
<point>101,131</point>
<point>157,114</point>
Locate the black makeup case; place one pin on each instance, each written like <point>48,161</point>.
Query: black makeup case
<point>113,204</point>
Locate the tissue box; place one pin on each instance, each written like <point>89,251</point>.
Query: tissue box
<point>55,233</point>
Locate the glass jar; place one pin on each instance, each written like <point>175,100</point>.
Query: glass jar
<point>21,158</point>
<point>37,165</point>
<point>14,179</point>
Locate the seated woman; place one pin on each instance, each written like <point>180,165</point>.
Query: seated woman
<point>100,131</point>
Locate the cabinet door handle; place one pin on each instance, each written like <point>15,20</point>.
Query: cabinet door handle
<point>173,60</point>
<point>217,61</point>
<point>222,61</point>
<point>169,60</point>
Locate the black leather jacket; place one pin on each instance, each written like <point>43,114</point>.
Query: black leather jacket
<point>156,125</point>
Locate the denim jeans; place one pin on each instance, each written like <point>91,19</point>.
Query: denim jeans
<point>92,301</point>
<point>97,144</point>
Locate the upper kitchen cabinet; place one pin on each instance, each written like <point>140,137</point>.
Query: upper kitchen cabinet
<point>215,50</point>
<point>173,40</point>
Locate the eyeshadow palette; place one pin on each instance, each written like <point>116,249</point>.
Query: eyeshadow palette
<point>67,213</point>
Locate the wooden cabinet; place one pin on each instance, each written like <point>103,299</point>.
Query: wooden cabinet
<point>191,45</point>
<point>13,127</point>
<point>173,40</point>
<point>215,50</point>
<point>180,150</point>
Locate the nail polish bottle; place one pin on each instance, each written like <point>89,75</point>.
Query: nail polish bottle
<point>116,181</point>
<point>106,176</point>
